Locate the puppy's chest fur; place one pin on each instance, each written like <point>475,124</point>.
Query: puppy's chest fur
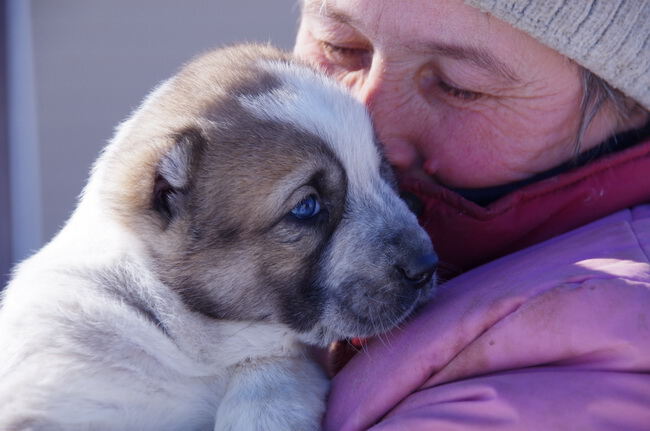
<point>114,340</point>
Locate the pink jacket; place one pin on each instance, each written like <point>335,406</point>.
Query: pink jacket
<point>554,337</point>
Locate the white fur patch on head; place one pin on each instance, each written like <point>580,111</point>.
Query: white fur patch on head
<point>320,106</point>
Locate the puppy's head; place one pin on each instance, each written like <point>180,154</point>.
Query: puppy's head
<point>260,193</point>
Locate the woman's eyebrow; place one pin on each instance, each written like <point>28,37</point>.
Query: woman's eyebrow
<point>477,56</point>
<point>321,8</point>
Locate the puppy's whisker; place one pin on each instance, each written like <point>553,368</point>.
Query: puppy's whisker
<point>379,329</point>
<point>378,301</point>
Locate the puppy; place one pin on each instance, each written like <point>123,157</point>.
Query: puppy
<point>242,211</point>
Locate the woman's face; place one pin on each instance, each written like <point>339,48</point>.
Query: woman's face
<point>454,93</point>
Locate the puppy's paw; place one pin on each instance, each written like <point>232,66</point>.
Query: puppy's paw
<point>274,396</point>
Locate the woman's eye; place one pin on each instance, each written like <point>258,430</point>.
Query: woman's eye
<point>307,208</point>
<point>458,93</point>
<point>432,85</point>
<point>349,58</point>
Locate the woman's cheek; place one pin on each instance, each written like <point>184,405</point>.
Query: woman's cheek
<point>472,149</point>
<point>467,158</point>
<point>309,49</point>
<point>507,143</point>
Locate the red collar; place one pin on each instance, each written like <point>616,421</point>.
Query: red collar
<point>466,235</point>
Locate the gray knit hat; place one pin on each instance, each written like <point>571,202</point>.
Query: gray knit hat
<point>611,38</point>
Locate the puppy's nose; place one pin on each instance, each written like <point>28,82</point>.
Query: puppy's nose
<point>417,272</point>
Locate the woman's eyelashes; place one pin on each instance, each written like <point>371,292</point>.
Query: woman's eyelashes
<point>349,58</point>
<point>458,93</point>
<point>433,87</point>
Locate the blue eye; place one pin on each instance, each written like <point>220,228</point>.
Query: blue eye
<point>307,208</point>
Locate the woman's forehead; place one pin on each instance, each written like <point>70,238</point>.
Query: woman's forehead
<point>445,28</point>
<point>410,19</point>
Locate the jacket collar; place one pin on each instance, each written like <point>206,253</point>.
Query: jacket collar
<point>466,234</point>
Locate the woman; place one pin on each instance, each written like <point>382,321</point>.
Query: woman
<point>519,131</point>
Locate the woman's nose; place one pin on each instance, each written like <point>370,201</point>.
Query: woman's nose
<point>390,110</point>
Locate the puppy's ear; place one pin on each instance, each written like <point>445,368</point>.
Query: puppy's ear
<point>174,174</point>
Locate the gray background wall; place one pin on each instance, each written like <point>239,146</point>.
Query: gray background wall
<point>78,67</point>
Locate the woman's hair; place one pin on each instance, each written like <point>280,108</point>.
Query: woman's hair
<point>596,94</point>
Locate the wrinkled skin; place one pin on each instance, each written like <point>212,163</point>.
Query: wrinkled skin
<point>458,96</point>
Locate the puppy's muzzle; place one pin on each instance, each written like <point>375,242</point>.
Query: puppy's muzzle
<point>379,267</point>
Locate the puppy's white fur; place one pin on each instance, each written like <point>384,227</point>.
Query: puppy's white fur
<point>91,338</point>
